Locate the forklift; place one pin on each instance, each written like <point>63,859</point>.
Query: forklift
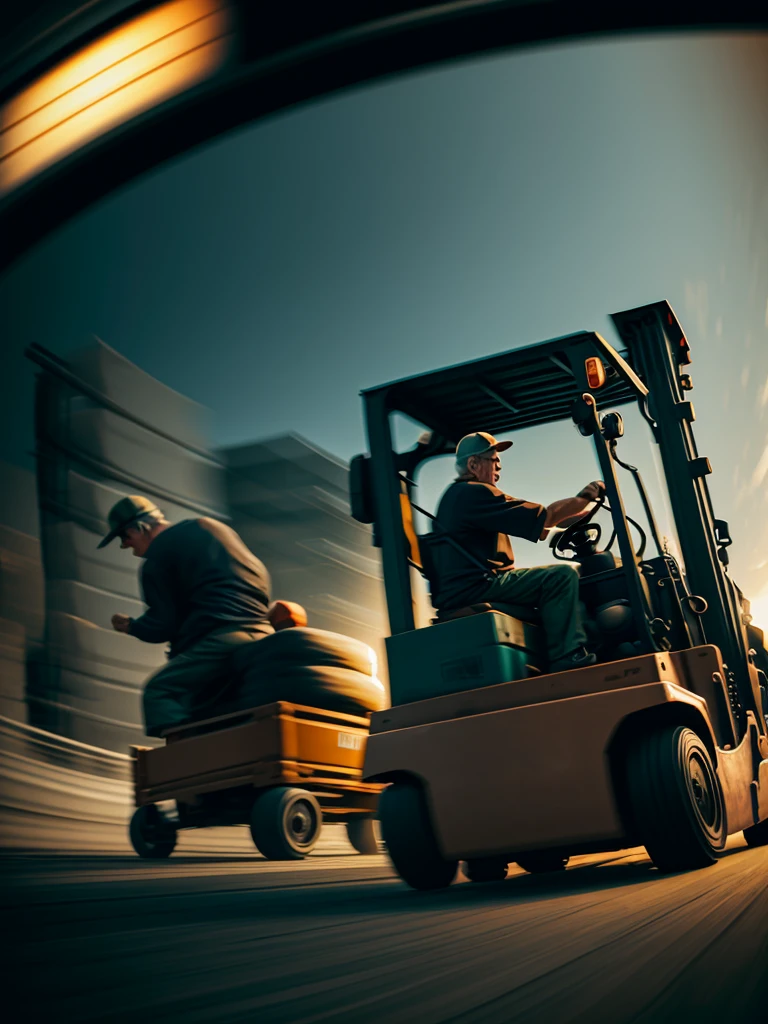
<point>488,757</point>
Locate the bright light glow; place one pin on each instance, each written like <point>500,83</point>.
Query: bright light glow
<point>129,71</point>
<point>374,662</point>
<point>758,609</point>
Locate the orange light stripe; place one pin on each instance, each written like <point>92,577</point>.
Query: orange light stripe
<point>131,70</point>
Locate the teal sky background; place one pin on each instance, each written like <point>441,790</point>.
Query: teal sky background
<point>435,218</point>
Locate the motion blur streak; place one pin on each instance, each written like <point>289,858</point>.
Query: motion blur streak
<point>128,71</point>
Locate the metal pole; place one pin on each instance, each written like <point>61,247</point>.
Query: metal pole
<point>636,594</point>
<point>684,471</point>
<point>387,488</point>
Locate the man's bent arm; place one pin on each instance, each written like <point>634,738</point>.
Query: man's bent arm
<point>563,509</point>
<point>151,627</point>
<point>157,625</point>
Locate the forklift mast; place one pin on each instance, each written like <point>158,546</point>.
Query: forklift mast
<point>659,351</point>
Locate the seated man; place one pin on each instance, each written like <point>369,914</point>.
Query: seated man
<point>206,595</point>
<point>479,517</point>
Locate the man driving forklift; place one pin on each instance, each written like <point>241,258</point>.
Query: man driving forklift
<point>480,567</point>
<point>206,593</point>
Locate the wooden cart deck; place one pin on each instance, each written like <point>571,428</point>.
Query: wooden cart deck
<point>276,744</point>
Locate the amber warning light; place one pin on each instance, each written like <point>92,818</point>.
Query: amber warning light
<point>595,372</point>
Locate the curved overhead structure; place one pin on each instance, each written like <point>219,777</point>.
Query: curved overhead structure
<point>93,96</point>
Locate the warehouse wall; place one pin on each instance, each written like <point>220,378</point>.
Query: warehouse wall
<point>86,683</point>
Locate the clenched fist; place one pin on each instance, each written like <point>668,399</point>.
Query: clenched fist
<point>593,491</point>
<point>121,623</point>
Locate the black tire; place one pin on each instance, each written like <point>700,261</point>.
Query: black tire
<point>285,823</point>
<point>410,840</point>
<point>361,832</point>
<point>150,836</point>
<point>486,869</point>
<point>675,799</point>
<point>539,862</point>
<point>757,835</point>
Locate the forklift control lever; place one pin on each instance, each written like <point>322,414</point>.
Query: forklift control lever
<point>698,605</point>
<point>583,415</point>
<point>612,425</point>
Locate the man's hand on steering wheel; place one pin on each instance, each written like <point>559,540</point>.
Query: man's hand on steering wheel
<point>593,491</point>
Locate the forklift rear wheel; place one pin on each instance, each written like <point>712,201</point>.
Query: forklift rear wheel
<point>285,823</point>
<point>361,832</point>
<point>757,835</point>
<point>538,862</point>
<point>486,869</point>
<point>410,840</point>
<point>675,799</point>
<point>150,836</point>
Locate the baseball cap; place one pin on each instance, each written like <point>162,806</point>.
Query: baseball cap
<point>478,444</point>
<point>124,513</point>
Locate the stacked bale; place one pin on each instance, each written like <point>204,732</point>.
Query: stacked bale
<point>105,429</point>
<point>21,586</point>
<point>289,502</point>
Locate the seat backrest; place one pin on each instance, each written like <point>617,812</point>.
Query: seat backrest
<point>427,544</point>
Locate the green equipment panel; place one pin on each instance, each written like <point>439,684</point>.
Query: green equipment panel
<point>462,654</point>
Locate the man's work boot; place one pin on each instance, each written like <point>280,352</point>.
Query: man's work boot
<point>579,658</point>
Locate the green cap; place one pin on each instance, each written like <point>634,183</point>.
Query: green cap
<point>478,444</point>
<point>124,513</point>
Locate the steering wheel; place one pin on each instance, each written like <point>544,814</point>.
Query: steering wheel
<point>566,541</point>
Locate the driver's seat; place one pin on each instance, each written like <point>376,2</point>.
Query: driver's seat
<point>525,613</point>
<point>422,557</point>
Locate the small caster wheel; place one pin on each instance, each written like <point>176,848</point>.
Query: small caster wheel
<point>486,869</point>
<point>361,833</point>
<point>285,823</point>
<point>150,835</point>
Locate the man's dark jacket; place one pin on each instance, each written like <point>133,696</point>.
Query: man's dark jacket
<point>199,578</point>
<point>481,518</point>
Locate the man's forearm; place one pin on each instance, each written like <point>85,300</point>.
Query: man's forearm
<point>565,508</point>
<point>150,628</point>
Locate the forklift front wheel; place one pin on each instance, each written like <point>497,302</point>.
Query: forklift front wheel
<point>150,836</point>
<point>285,823</point>
<point>675,799</point>
<point>410,840</point>
<point>538,862</point>
<point>362,834</point>
<point>757,835</point>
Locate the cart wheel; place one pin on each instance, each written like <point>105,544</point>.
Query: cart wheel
<point>539,862</point>
<point>757,835</point>
<point>150,836</point>
<point>675,799</point>
<point>409,838</point>
<point>285,823</point>
<point>361,832</point>
<point>486,869</point>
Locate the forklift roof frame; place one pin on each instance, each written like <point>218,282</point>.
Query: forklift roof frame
<point>451,401</point>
